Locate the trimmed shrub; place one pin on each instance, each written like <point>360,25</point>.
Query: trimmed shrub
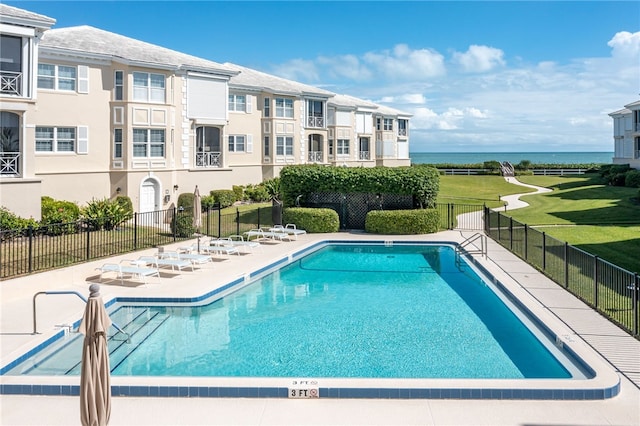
<point>238,190</point>
<point>182,225</point>
<point>420,182</point>
<point>125,202</point>
<point>9,221</point>
<point>398,222</point>
<point>632,179</point>
<point>256,193</point>
<point>208,202</point>
<point>58,211</point>
<point>185,200</point>
<point>225,197</point>
<point>312,220</point>
<point>618,179</point>
<point>105,214</point>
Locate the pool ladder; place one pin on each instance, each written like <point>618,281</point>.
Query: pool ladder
<point>469,246</point>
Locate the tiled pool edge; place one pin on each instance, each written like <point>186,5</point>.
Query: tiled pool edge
<point>283,392</point>
<point>389,392</point>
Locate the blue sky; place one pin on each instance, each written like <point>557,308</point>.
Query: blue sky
<point>477,76</point>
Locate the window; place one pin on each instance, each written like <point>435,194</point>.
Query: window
<point>118,86</point>
<point>148,87</point>
<point>342,147</point>
<point>55,139</point>
<point>402,127</point>
<point>330,147</point>
<point>117,143</point>
<point>56,77</point>
<point>284,108</point>
<point>237,103</point>
<point>236,143</point>
<point>378,123</point>
<point>284,145</point>
<point>148,143</point>
<point>267,107</point>
<point>267,148</point>
<point>388,124</point>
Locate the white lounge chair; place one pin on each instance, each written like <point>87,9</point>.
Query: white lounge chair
<point>194,258</point>
<point>239,241</point>
<point>139,272</point>
<point>160,262</point>
<point>261,234</point>
<point>220,246</point>
<point>289,229</point>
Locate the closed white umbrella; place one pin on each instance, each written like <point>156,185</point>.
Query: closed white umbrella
<point>197,209</point>
<point>95,376</point>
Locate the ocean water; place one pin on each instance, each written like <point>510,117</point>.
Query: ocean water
<point>512,157</point>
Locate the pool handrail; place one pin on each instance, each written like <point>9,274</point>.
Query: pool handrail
<point>84,299</point>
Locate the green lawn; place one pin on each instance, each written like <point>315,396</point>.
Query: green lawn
<point>476,190</point>
<point>599,219</point>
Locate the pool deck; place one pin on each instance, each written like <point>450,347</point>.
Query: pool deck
<point>619,349</point>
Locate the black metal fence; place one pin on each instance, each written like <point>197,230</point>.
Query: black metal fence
<point>611,290</point>
<point>28,250</point>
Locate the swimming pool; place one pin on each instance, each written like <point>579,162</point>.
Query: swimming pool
<point>402,312</point>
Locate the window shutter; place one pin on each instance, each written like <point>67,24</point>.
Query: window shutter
<point>83,140</point>
<point>247,106</point>
<point>83,79</point>
<point>249,147</point>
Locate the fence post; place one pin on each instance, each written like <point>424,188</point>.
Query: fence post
<point>30,256</point>
<point>238,221</point>
<point>499,239</point>
<point>544,251</point>
<point>174,231</point>
<point>634,299</point>
<point>566,265</point>
<point>88,228</point>
<point>511,233</point>
<point>595,281</point>
<point>135,231</point>
<point>452,217</point>
<point>258,219</point>
<point>219,220</point>
<point>526,241</point>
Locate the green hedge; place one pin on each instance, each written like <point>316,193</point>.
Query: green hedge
<point>226,197</point>
<point>420,182</point>
<point>312,220</point>
<point>406,222</point>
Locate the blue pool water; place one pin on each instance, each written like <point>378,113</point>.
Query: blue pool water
<point>371,311</point>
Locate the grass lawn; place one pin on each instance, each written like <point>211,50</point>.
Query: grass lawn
<point>476,190</point>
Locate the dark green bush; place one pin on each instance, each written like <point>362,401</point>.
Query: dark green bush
<point>613,174</point>
<point>185,200</point>
<point>312,220</point>
<point>225,197</point>
<point>618,179</point>
<point>492,165</point>
<point>182,225</point>
<point>125,202</point>
<point>208,202</point>
<point>9,221</point>
<point>420,182</point>
<point>238,190</point>
<point>256,193</point>
<point>632,179</point>
<point>408,222</point>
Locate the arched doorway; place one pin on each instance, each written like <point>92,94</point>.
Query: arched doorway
<point>149,195</point>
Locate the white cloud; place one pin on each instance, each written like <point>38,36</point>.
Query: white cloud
<point>479,58</point>
<point>403,62</point>
<point>626,44</point>
<point>297,69</point>
<point>347,66</point>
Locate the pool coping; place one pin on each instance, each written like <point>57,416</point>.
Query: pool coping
<point>605,383</point>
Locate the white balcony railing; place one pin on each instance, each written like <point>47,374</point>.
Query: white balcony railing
<point>315,122</point>
<point>11,83</point>
<point>9,164</point>
<point>315,156</point>
<point>402,132</point>
<point>208,159</point>
<point>364,155</point>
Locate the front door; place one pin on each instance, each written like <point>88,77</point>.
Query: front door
<point>148,196</point>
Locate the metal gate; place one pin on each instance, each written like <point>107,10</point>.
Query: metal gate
<point>352,208</point>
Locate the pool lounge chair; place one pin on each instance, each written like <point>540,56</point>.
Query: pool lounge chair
<point>289,229</point>
<point>240,242</point>
<point>139,272</point>
<point>219,246</point>
<point>162,262</point>
<point>261,234</point>
<point>194,258</point>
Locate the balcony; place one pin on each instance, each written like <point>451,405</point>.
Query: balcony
<point>208,159</point>
<point>9,164</point>
<point>315,156</point>
<point>11,83</point>
<point>315,122</point>
<point>402,132</point>
<point>364,155</point>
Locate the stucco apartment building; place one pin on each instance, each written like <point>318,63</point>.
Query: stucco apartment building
<point>626,135</point>
<point>86,114</point>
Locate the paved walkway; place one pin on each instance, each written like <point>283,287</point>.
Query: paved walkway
<point>16,334</point>
<point>513,201</point>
